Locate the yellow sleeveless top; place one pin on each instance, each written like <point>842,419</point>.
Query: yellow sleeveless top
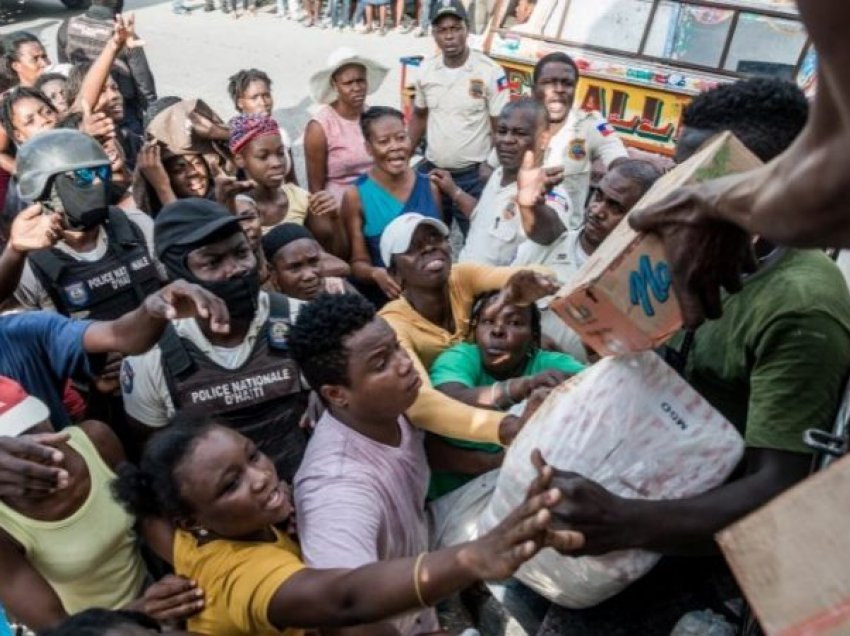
<point>89,558</point>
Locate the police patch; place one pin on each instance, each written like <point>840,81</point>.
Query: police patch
<point>576,149</point>
<point>278,333</point>
<point>476,88</point>
<point>77,295</point>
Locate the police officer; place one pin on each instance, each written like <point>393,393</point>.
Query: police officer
<point>578,137</point>
<point>245,378</point>
<point>459,95</point>
<point>102,267</point>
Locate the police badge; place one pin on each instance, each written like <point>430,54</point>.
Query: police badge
<point>576,149</point>
<point>476,88</point>
<point>77,295</point>
<point>278,333</point>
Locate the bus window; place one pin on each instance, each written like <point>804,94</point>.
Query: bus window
<point>690,34</point>
<point>612,24</point>
<point>766,46</point>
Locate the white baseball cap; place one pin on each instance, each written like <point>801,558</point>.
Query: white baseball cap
<point>398,234</point>
<point>19,411</point>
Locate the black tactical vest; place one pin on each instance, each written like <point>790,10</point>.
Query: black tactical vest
<point>107,288</point>
<point>263,399</point>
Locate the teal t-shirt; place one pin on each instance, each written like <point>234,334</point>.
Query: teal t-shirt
<point>462,364</point>
<point>776,361</point>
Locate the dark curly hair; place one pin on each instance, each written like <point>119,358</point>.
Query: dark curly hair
<point>482,301</point>
<point>99,622</point>
<point>316,338</point>
<point>765,114</point>
<point>557,56</point>
<point>151,490</point>
<point>375,113</point>
<point>7,106</point>
<point>238,82</point>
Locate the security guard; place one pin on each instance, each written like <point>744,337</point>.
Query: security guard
<point>245,378</point>
<point>578,137</point>
<point>102,268</point>
<point>459,95</point>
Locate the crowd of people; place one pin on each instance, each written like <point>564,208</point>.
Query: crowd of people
<point>362,16</point>
<point>233,404</point>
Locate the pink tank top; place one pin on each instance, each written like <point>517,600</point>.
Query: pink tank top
<point>347,156</point>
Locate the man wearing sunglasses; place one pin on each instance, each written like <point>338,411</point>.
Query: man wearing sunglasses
<point>101,267</point>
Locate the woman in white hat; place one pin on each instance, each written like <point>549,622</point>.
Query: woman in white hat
<point>334,148</point>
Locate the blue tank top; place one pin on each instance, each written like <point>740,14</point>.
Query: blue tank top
<point>380,208</point>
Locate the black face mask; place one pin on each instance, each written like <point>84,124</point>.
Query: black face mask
<point>239,294</point>
<point>85,207</point>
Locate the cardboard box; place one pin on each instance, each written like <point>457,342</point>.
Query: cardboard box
<point>792,557</point>
<point>622,299</point>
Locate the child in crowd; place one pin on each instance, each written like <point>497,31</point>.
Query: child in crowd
<point>300,268</point>
<point>258,150</point>
<point>251,93</point>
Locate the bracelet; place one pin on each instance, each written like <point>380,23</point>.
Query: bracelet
<point>456,193</point>
<point>416,571</point>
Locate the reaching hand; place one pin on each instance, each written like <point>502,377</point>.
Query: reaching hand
<point>186,300</point>
<point>96,124</point>
<point>31,464</point>
<point>323,203</point>
<point>595,513</point>
<point>387,283</point>
<point>524,288</point>
<point>524,532</point>
<point>33,230</point>
<point>227,187</point>
<point>149,163</point>
<point>444,181</point>
<point>124,32</point>
<point>533,182</point>
<point>704,254</point>
<point>171,598</point>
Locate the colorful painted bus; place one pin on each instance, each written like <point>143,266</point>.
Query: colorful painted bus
<point>642,61</point>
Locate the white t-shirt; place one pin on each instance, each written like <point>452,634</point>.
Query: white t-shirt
<point>31,293</point>
<point>359,501</point>
<point>564,257</point>
<point>584,137</point>
<point>143,384</point>
<point>495,225</point>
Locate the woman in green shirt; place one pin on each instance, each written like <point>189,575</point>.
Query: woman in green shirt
<point>501,368</point>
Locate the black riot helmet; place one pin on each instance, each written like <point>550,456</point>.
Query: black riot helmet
<point>68,171</point>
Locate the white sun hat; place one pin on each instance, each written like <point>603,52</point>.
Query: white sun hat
<point>320,83</point>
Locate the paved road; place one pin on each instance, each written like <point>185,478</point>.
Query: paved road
<point>192,56</point>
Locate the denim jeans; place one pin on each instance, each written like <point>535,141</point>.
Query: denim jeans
<point>358,12</point>
<point>468,180</point>
<point>339,11</point>
<point>293,7</point>
<point>425,13</point>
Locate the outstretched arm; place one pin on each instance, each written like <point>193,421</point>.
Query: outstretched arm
<point>138,331</point>
<point>329,598</point>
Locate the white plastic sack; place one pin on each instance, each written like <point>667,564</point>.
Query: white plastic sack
<point>637,428</point>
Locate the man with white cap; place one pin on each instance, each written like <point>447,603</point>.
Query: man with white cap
<point>459,95</point>
<point>334,148</point>
<point>433,313</point>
